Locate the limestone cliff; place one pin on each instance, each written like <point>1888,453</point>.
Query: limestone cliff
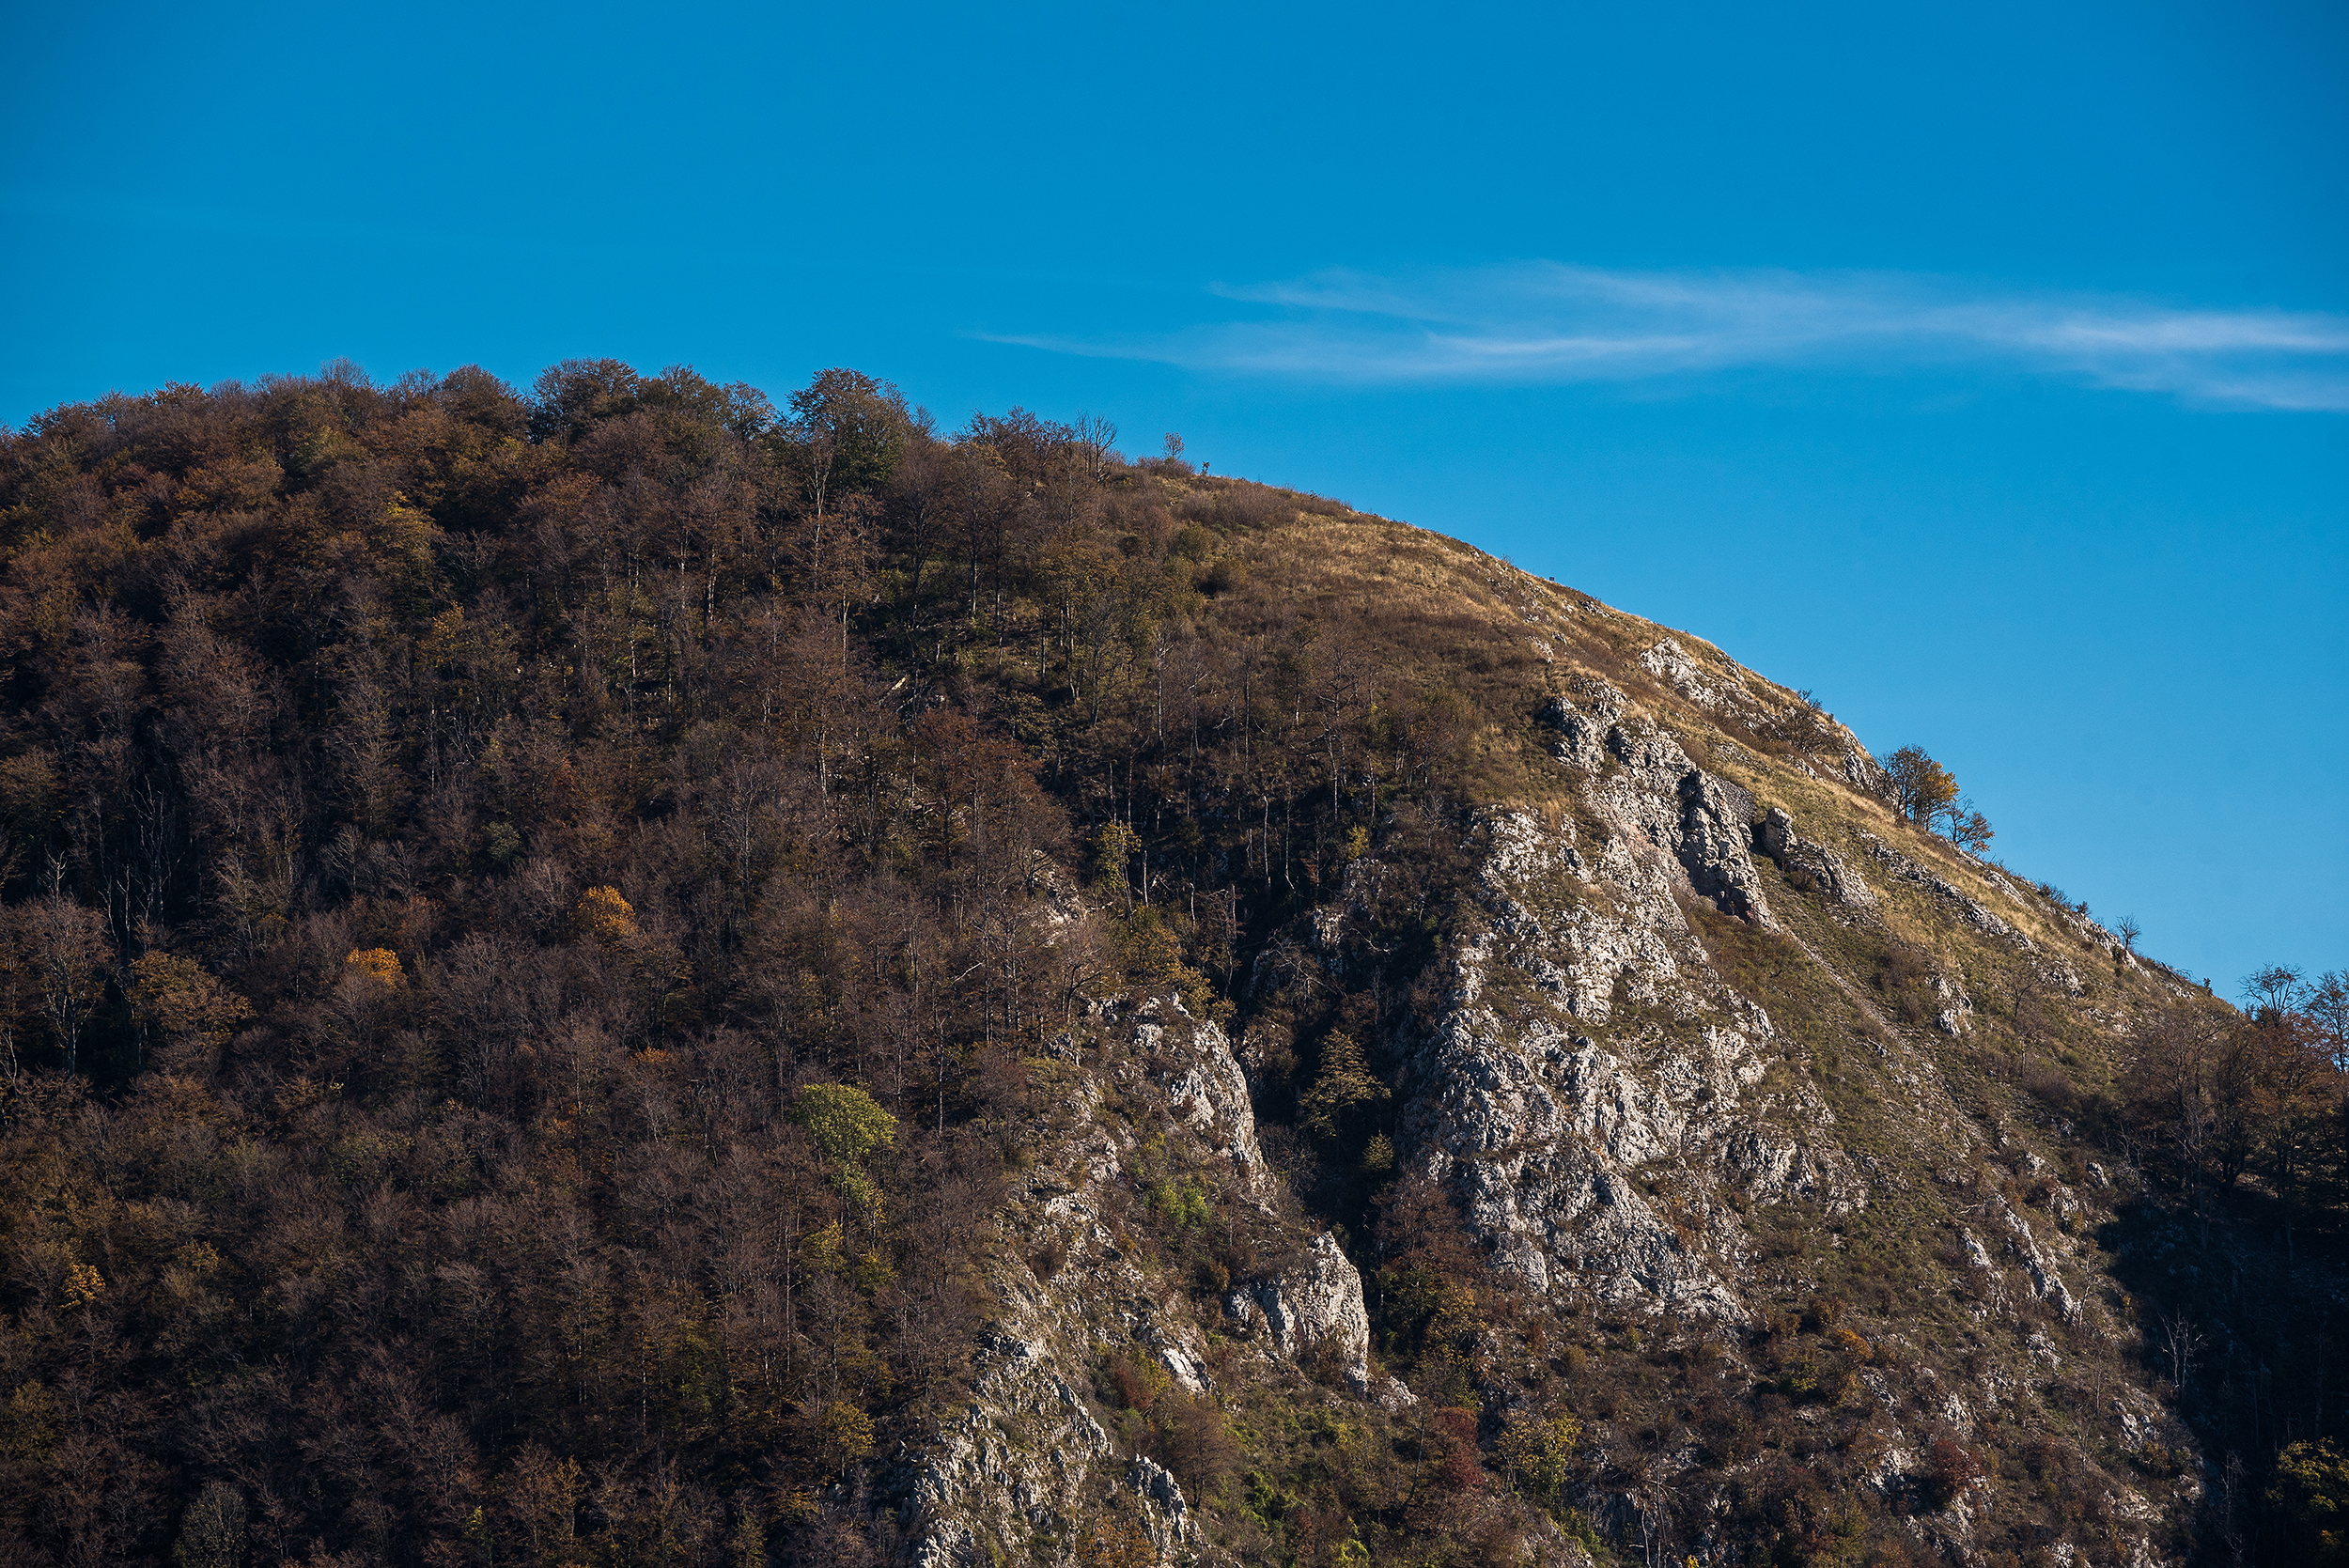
<point>1702,1061</point>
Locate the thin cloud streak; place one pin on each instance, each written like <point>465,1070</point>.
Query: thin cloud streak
<point>1550,323</point>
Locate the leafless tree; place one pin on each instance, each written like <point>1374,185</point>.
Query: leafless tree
<point>67,949</point>
<point>2180,1342</point>
<point>2027,997</point>
<point>1095,440</point>
<point>2327,1007</point>
<point>2275,990</point>
<point>1654,1502</point>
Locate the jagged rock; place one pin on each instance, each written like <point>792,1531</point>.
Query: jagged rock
<point>1999,884</point>
<point>1716,828</point>
<point>2062,976</point>
<point>1802,859</point>
<point>1153,1481</point>
<point>1955,1008</point>
<point>1207,1089</point>
<point>2084,928</point>
<point>1009,1471</point>
<point>1969,909</point>
<point>1669,662</point>
<point>1663,803</point>
<point>1312,1307</point>
<point>1582,725</point>
<point>1867,775</point>
<point>1603,1106</point>
<point>1540,1127</point>
<point>1013,1461</point>
<point>2038,1266</point>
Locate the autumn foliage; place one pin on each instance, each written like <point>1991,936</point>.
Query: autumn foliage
<point>526,915</point>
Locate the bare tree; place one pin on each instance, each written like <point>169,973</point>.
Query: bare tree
<point>67,951</point>
<point>2178,1074</point>
<point>2128,931</point>
<point>2026,993</point>
<point>1805,724</point>
<point>1095,438</point>
<point>1654,1502</point>
<point>1965,827</point>
<point>2180,1342</point>
<point>2275,990</point>
<point>16,984</point>
<point>2326,1005</point>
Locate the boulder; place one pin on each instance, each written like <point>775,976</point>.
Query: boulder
<point>1315,1305</point>
<point>1808,863</point>
<point>1715,829</point>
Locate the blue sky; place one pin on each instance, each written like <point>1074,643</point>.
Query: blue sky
<point>1983,369</point>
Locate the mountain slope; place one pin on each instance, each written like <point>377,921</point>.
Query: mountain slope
<point>1698,1059</point>
<point>613,973</point>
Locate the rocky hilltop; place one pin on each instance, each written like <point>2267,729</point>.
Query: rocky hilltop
<point>624,973</point>
<point>1698,1066</point>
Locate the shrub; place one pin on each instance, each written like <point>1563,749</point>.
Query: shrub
<point>378,964</point>
<point>1537,1451</point>
<point>848,1125</point>
<point>1951,1467</point>
<point>1459,1466</point>
<point>2312,1492</point>
<point>1134,1384</point>
<point>1191,543</point>
<point>1188,1437</point>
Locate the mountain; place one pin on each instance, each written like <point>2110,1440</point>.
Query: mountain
<point>620,974</point>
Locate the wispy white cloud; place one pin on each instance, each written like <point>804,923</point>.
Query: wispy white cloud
<point>1548,322</point>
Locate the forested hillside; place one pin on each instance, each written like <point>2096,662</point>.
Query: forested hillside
<point>619,974</point>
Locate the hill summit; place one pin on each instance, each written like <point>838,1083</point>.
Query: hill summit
<point>624,974</point>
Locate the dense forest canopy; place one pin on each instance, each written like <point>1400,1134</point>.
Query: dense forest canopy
<point>463,851</point>
<point>532,921</point>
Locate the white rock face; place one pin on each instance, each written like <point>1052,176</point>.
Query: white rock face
<point>2038,1267</point>
<point>1957,1008</point>
<point>1170,1526</point>
<point>1007,1477</point>
<point>1316,1305</point>
<point>1800,857</point>
<point>1205,1087</point>
<point>1595,1150</point>
<point>1015,1460</point>
<point>1604,1106</point>
<point>1673,812</point>
<point>1669,662</point>
<point>1865,774</point>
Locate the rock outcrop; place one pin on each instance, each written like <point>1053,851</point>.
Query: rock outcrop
<point>1016,1470</point>
<point>1675,810</point>
<point>1550,1134</point>
<point>1313,1308</point>
<point>1799,859</point>
<point>1623,1125</point>
<point>1968,909</point>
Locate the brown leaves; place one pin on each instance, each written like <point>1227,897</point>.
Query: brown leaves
<point>181,999</point>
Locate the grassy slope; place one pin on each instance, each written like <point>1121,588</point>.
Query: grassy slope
<point>1943,1126</point>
